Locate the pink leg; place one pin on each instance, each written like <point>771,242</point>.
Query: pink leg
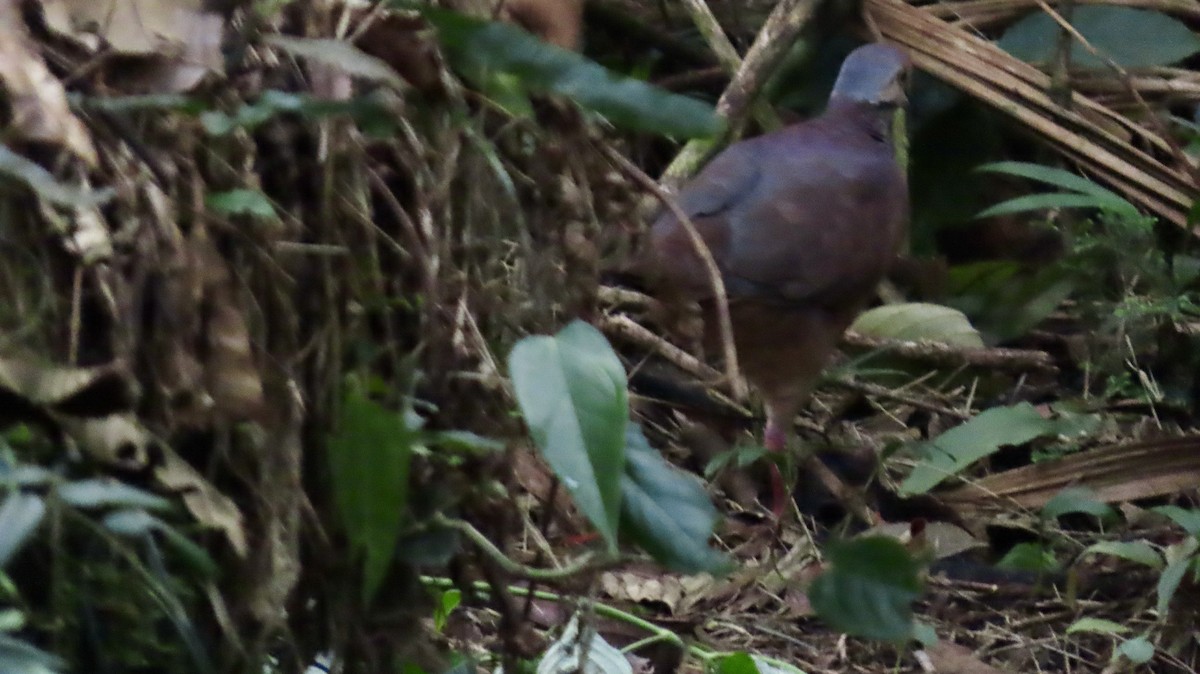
<point>775,440</point>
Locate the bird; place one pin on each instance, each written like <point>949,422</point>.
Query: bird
<point>802,223</point>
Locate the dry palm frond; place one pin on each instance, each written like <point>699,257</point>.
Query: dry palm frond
<point>1103,143</point>
<point>982,14</point>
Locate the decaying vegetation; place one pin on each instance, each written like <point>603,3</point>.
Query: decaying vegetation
<point>266,268</point>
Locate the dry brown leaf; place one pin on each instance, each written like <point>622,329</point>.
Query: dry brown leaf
<point>179,41</point>
<point>208,505</point>
<point>954,659</point>
<point>36,100</point>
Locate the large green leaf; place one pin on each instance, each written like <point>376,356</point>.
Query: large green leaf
<point>914,321</point>
<point>869,589</point>
<point>1132,38</point>
<point>489,51</point>
<point>973,440</point>
<point>665,511</point>
<point>571,389</point>
<point>369,456</point>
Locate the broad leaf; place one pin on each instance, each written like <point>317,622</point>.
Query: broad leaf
<point>1032,557</point>
<point>737,663</point>
<point>666,511</point>
<point>1138,552</point>
<point>914,321</point>
<point>369,457</point>
<point>959,447</point>
<point>1139,650</point>
<point>20,515</point>
<point>103,493</point>
<point>1180,558</point>
<point>1097,626</point>
<point>18,657</point>
<point>241,202</point>
<point>1188,519</point>
<point>485,50</point>
<point>571,390</point>
<point>1077,500</point>
<point>869,589</point>
<point>1132,38</point>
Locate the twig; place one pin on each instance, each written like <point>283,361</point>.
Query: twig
<point>867,388</point>
<point>937,352</point>
<point>737,386</point>
<point>629,330</point>
<point>585,562</point>
<point>713,34</point>
<point>768,50</point>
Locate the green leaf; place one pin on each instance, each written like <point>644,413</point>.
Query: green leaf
<point>1077,500</point>
<point>737,663</point>
<point>1132,38</point>
<point>339,54</point>
<point>1032,557</point>
<point>369,456</point>
<point>191,553</point>
<point>740,456</point>
<point>1188,519</point>
<point>44,184</point>
<point>18,657</point>
<point>20,515</point>
<point>137,523</point>
<point>869,589</point>
<point>241,202</point>
<point>1003,300</point>
<point>1097,626</point>
<point>105,492</point>
<point>465,442</point>
<point>447,602</point>
<point>571,389</point>
<point>485,50</point>
<point>1042,202</point>
<point>1138,650</point>
<point>1138,552</point>
<point>665,511</point>
<point>924,633</point>
<point>1180,557</point>
<point>959,447</point>
<point>1065,179</point>
<point>914,321</point>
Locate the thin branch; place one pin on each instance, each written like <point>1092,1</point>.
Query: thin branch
<point>725,325</point>
<point>770,46</point>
